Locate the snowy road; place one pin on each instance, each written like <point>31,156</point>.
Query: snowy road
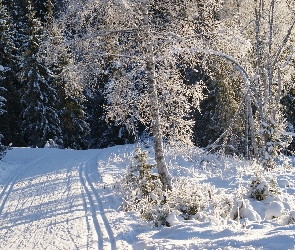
<point>50,202</point>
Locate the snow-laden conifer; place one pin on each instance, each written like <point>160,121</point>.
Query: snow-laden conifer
<point>40,120</point>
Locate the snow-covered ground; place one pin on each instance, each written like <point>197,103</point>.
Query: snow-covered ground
<point>66,199</point>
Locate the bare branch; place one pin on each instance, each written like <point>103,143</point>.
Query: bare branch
<point>283,43</point>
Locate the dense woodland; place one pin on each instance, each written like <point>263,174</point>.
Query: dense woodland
<point>82,73</point>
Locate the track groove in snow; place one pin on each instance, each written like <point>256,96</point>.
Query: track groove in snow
<point>104,232</point>
<point>50,203</point>
<point>10,183</point>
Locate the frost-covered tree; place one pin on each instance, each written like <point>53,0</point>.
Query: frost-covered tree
<point>43,10</point>
<point>40,120</point>
<point>259,45</point>
<point>71,110</point>
<point>2,100</point>
<point>67,83</point>
<point>3,41</point>
<point>146,44</point>
<point>152,90</point>
<point>8,65</point>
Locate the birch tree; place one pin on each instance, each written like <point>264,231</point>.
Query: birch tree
<point>142,37</point>
<point>264,32</point>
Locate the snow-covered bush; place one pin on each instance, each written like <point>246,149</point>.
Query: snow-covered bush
<point>223,205</point>
<point>260,187</point>
<point>242,209</point>
<point>291,219</point>
<point>51,144</point>
<point>274,210</point>
<point>142,192</point>
<point>272,140</point>
<point>189,197</point>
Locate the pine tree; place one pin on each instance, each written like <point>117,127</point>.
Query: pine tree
<point>39,99</point>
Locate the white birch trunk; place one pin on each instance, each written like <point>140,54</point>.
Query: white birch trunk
<point>163,172</point>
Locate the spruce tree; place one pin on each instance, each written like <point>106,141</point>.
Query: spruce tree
<point>12,45</point>
<point>8,66</point>
<point>66,81</point>
<point>2,147</point>
<point>39,99</point>
<point>43,10</point>
<point>71,112</point>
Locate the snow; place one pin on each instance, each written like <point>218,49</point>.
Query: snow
<point>274,210</point>
<point>65,199</point>
<point>1,68</point>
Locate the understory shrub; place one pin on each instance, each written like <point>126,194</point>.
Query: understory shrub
<point>142,192</point>
<point>261,187</point>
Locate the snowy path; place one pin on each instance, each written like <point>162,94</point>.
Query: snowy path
<point>65,199</point>
<point>49,202</point>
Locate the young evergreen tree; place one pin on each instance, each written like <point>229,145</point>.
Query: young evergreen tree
<point>39,99</point>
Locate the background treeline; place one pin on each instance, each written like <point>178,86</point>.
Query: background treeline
<point>51,89</point>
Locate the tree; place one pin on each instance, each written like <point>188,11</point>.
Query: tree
<point>39,99</point>
<point>67,83</point>
<point>217,109</point>
<point>43,10</point>
<point>7,73</point>
<point>71,110</point>
<point>2,147</point>
<point>148,86</point>
<point>265,34</point>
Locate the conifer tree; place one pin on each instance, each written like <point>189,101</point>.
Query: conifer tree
<point>39,99</point>
<point>71,110</point>
<point>2,147</point>
<point>43,10</point>
<point>223,95</point>
<point>66,82</point>
<point>8,67</point>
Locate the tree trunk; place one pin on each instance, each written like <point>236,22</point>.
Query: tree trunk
<point>163,172</point>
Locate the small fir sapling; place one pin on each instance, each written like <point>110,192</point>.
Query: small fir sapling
<point>260,188</point>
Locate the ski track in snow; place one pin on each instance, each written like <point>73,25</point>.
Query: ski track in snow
<point>10,183</point>
<point>51,203</point>
<point>105,235</point>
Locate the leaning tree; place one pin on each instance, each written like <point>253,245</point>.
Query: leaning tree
<point>259,43</point>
